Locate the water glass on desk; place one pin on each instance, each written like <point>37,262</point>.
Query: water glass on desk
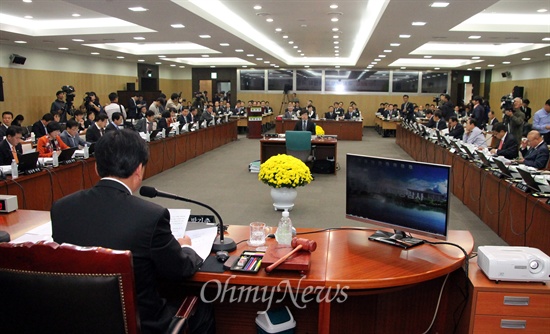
<point>258,234</point>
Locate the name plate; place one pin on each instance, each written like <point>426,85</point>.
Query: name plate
<point>255,118</point>
<point>498,174</point>
<point>523,187</point>
<point>207,219</point>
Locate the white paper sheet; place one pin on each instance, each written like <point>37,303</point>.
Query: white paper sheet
<point>178,221</point>
<point>202,239</point>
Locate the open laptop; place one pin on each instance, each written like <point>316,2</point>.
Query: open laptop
<point>531,182</point>
<point>485,161</point>
<point>66,154</point>
<point>469,152</point>
<point>27,162</point>
<point>505,170</point>
<point>154,134</point>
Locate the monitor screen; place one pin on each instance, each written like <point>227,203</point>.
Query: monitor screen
<point>406,196</point>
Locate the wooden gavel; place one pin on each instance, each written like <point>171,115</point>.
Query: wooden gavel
<point>298,244</point>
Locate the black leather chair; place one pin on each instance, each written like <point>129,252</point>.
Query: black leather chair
<point>51,288</point>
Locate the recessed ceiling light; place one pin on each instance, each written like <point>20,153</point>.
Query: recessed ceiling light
<point>162,56</point>
<point>542,10</point>
<point>475,57</point>
<point>27,1</point>
<point>336,42</point>
<point>370,66</point>
<point>299,51</point>
<point>395,44</point>
<point>525,58</point>
<point>477,67</point>
<point>94,53</point>
<point>546,39</point>
<point>173,65</point>
<point>335,36</point>
<point>244,66</point>
<point>267,62</point>
<point>548,54</point>
<point>204,36</point>
<point>63,49</point>
<point>337,66</point>
<point>78,40</point>
<point>336,47</point>
<point>403,67</point>
<point>239,50</point>
<point>205,56</point>
<point>290,42</point>
<point>212,66</point>
<point>182,66</point>
<point>373,62</point>
<point>158,63</point>
<point>138,9</point>
<point>382,56</point>
<point>436,68</point>
<point>334,6</point>
<point>177,25</point>
<point>27,17</point>
<point>120,57</point>
<point>295,47</point>
<point>257,7</point>
<point>250,55</point>
<point>439,4</point>
<point>141,60</point>
<point>139,38</point>
<point>377,59</point>
<point>259,59</point>
<point>278,29</point>
<point>224,44</point>
<point>506,62</point>
<point>490,65</point>
<point>474,37</point>
<point>418,23</point>
<point>334,19</point>
<point>269,19</point>
<point>335,29</point>
<point>285,36</point>
<point>404,36</point>
<point>387,51</point>
<point>306,66</point>
<point>75,15</point>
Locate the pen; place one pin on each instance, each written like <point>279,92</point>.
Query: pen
<point>250,263</point>
<point>258,263</point>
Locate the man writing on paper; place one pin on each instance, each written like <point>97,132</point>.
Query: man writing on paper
<point>126,222</point>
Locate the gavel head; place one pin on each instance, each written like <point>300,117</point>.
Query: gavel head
<point>308,245</point>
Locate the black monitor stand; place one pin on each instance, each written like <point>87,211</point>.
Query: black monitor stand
<point>398,238</point>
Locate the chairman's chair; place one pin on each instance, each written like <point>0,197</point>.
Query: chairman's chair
<point>51,288</point>
<point>298,144</point>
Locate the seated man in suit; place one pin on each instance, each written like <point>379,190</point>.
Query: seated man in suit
<point>430,117</point>
<point>51,142</point>
<point>148,123</point>
<point>537,155</point>
<point>330,114</point>
<point>117,122</point>
<point>439,122</point>
<point>97,130</point>
<point>311,112</point>
<point>508,146</point>
<point>473,135</point>
<point>163,123</point>
<point>456,129</point>
<point>128,222</point>
<point>70,136</point>
<point>39,127</point>
<point>208,115</point>
<point>305,124</point>
<point>289,113</point>
<point>390,112</point>
<point>11,146</point>
<point>492,118</point>
<point>182,118</point>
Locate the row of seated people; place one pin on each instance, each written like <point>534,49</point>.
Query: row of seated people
<point>333,113</point>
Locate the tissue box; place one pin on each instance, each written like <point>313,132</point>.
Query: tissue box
<point>278,321</point>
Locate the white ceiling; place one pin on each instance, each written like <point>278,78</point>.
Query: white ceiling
<point>509,31</point>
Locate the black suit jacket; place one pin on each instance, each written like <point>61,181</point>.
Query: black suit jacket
<point>310,126</point>
<point>39,129</point>
<point>509,148</point>
<point>441,125</point>
<point>93,134</point>
<point>132,112</point>
<point>537,157</point>
<point>121,221</point>
<point>182,119</point>
<point>457,131</point>
<point>6,155</point>
<point>163,124</point>
<point>111,127</point>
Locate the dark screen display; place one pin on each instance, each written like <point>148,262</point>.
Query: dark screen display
<point>403,195</point>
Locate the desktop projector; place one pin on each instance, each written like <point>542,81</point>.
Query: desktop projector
<point>508,263</point>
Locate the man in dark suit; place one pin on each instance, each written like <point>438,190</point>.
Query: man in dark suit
<point>537,155</point>
<point>492,118</point>
<point>456,129</point>
<point>97,130</point>
<point>163,123</point>
<point>438,122</point>
<point>305,124</point>
<point>508,146</point>
<point>182,118</point>
<point>118,121</point>
<point>133,108</point>
<point>148,123</point>
<point>39,127</point>
<point>11,146</point>
<point>122,221</point>
<point>330,114</point>
<point>407,108</point>
<point>70,136</point>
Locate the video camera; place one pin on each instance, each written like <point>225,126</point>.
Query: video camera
<point>436,99</point>
<point>507,103</point>
<point>69,93</point>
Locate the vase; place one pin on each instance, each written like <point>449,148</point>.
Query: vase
<point>283,198</point>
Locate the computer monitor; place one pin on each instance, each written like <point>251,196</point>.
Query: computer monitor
<point>406,196</point>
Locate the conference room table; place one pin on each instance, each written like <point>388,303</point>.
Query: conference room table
<point>40,190</point>
<point>383,126</point>
<point>519,218</point>
<point>345,130</point>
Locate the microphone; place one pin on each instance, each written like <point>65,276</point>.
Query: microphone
<point>220,244</point>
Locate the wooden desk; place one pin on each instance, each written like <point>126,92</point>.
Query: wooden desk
<point>324,148</point>
<point>18,222</point>
<point>382,125</point>
<point>377,278</point>
<point>345,130</point>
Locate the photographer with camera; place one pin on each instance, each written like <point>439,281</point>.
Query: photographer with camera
<point>90,103</point>
<point>513,116</point>
<point>59,106</point>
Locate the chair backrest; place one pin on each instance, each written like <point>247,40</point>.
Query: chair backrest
<point>51,288</point>
<point>298,144</point>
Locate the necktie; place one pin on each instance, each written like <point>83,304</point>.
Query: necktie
<point>149,127</point>
<point>15,157</point>
<point>500,145</point>
<point>304,125</point>
<point>102,131</point>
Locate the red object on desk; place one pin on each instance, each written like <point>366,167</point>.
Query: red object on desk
<point>299,261</point>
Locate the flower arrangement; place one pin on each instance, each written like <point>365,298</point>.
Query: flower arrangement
<point>319,131</point>
<point>284,171</point>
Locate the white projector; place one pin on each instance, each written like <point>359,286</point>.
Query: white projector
<point>509,263</point>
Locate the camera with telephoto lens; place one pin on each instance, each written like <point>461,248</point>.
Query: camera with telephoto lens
<point>436,99</point>
<point>69,93</point>
<point>506,103</point>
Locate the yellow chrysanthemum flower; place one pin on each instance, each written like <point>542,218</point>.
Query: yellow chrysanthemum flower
<point>284,171</point>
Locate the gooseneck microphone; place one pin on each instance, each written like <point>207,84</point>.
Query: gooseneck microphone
<point>221,243</point>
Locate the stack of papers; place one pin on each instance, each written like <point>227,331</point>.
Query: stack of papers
<point>254,166</point>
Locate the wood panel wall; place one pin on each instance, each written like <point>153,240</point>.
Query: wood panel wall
<point>176,86</point>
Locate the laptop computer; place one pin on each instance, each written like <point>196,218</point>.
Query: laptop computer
<point>154,134</point>
<point>66,154</point>
<point>531,182</point>
<point>27,161</point>
<point>469,152</point>
<point>505,170</point>
<point>485,161</point>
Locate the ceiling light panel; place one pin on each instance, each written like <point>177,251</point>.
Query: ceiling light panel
<point>475,49</point>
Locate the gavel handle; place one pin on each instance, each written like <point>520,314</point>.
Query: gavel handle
<point>283,259</point>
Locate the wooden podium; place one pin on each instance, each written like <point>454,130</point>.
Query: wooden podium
<point>254,122</point>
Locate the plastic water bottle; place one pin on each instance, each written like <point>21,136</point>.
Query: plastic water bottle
<point>86,151</point>
<point>33,137</point>
<point>14,171</point>
<point>284,230</point>
<point>177,130</point>
<point>55,160</point>
<point>148,137</point>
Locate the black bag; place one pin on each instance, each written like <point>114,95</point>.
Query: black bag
<point>323,167</point>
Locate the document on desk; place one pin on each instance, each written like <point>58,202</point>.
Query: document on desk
<point>202,235</point>
<point>178,221</point>
<point>40,233</point>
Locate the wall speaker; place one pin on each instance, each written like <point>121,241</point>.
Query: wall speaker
<point>131,86</point>
<point>17,59</point>
<point>506,74</point>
